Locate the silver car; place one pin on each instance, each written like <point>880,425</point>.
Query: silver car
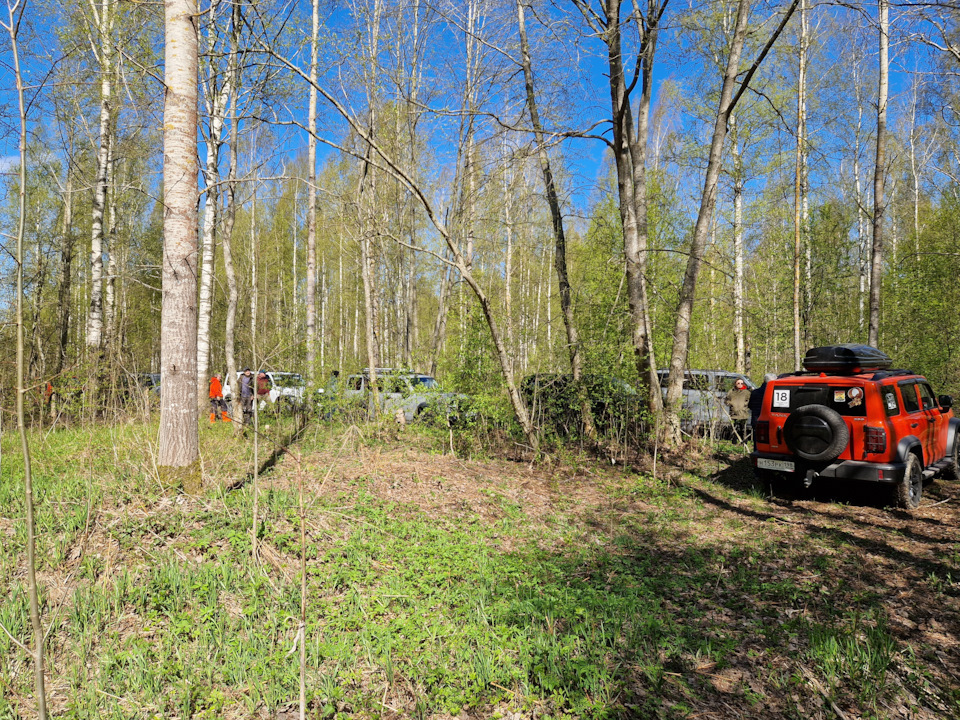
<point>704,408</point>
<point>414,393</point>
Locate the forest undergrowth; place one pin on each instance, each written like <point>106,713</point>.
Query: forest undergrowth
<point>451,587</point>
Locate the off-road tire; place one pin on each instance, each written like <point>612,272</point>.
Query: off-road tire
<point>910,488</point>
<point>952,470</point>
<point>823,426</point>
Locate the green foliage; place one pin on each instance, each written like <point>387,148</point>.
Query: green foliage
<point>602,305</point>
<point>922,297</point>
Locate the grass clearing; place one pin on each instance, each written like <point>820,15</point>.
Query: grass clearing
<point>442,588</point>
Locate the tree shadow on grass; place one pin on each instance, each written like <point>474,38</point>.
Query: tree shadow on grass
<point>280,446</point>
<point>644,625</point>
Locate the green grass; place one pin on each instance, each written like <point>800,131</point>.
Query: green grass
<point>613,611</point>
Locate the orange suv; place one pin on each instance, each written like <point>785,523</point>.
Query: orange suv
<point>847,416</point>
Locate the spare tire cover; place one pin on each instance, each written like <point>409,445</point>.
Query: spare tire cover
<point>816,432</point>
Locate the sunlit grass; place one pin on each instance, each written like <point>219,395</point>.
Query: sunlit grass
<point>158,609</point>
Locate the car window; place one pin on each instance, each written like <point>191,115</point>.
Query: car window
<point>288,379</point>
<point>908,392</point>
<point>393,385</point>
<point>355,383</point>
<point>890,400</point>
<point>926,396</point>
<point>423,381</point>
<point>695,381</point>
<point>846,400</point>
<point>725,383</point>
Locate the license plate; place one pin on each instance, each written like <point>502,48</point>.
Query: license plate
<point>781,465</point>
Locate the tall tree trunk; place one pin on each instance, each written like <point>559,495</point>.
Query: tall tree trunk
<point>110,251</point>
<point>508,263</point>
<point>739,333</point>
<point>312,199</point>
<point>66,273</point>
<point>727,104</point>
<point>798,187</point>
<point>367,202</point>
<point>862,264</point>
<point>367,197</point>
<point>440,324</point>
<point>560,240</point>
<point>324,291</point>
<point>217,99</point>
<point>254,280</point>
<point>229,220</point>
<point>879,176</point>
<point>341,305</point>
<point>681,333</point>
<point>233,293</point>
<point>179,451</point>
<point>104,16</point>
<point>33,590</point>
<point>629,147</point>
<point>914,171</point>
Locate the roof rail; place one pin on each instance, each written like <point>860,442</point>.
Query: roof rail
<point>891,373</point>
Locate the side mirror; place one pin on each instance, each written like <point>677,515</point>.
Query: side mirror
<point>946,401</point>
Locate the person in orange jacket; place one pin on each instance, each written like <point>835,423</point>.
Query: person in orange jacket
<point>218,406</point>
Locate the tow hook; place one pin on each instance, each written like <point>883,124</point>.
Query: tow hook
<point>808,480</point>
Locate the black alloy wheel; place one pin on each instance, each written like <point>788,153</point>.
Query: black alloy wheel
<point>910,488</point>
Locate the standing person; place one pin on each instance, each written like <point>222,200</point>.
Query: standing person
<point>738,400</point>
<point>263,387</point>
<point>246,395</point>
<point>218,406</point>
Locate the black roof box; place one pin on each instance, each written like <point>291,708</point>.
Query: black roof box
<point>843,359</point>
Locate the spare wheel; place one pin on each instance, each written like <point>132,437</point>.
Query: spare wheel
<point>816,432</point>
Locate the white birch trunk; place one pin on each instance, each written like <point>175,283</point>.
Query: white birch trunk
<point>879,177</point>
<point>104,19</point>
<point>312,199</point>
<point>739,335</point>
<point>861,217</point>
<point>798,193</point>
<point>110,251</point>
<point>216,110</point>
<point>178,325</point>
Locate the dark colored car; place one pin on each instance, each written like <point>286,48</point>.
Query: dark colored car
<point>149,382</point>
<point>849,417</point>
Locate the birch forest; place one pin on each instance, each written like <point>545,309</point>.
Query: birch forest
<point>485,190</point>
<point>348,352</point>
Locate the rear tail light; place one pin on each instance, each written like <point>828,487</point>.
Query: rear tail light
<point>874,440</point>
<point>763,432</point>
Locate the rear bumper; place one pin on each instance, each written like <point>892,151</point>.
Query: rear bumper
<point>880,473</point>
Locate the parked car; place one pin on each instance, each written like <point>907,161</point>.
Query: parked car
<point>418,395</point>
<point>552,400</point>
<point>848,417</point>
<point>704,399</point>
<point>149,382</point>
<point>285,387</point>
